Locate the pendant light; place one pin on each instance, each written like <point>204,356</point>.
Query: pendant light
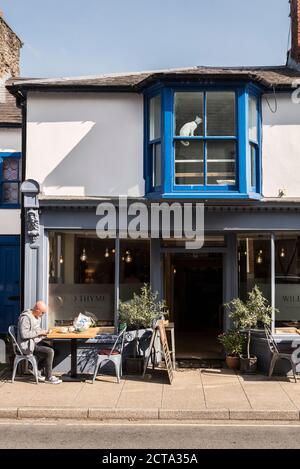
<point>282,253</point>
<point>61,259</point>
<point>259,259</point>
<point>106,255</point>
<point>128,257</point>
<point>83,256</point>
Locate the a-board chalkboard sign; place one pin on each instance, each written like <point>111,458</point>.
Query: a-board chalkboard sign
<point>165,347</point>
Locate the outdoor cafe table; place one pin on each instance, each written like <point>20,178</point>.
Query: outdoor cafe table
<point>74,337</point>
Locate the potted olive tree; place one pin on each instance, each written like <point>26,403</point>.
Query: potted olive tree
<point>233,342</point>
<point>139,314</point>
<point>249,315</point>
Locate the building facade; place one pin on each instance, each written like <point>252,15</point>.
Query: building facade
<point>225,137</point>
<point>10,177</point>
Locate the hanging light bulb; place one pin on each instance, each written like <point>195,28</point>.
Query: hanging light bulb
<point>259,259</point>
<point>282,253</point>
<point>123,258</point>
<point>113,251</point>
<point>83,256</point>
<point>61,259</point>
<point>174,271</point>
<point>128,257</point>
<point>106,253</point>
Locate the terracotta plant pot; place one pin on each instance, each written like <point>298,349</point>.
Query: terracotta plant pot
<point>248,365</point>
<point>233,363</point>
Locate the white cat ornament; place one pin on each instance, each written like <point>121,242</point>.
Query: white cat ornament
<point>188,129</point>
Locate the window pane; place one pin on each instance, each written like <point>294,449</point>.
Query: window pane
<point>189,163</point>
<point>287,290</point>
<point>11,169</point>
<point>188,114</point>
<point>254,265</point>
<point>253,119</point>
<point>221,158</point>
<point>81,277</point>
<point>156,162</point>
<point>134,267</point>
<point>221,114</point>
<point>10,193</point>
<point>155,117</point>
<point>253,165</point>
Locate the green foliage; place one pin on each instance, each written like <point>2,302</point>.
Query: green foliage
<point>248,315</point>
<point>142,310</point>
<point>233,342</point>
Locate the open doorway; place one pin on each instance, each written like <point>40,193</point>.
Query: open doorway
<point>195,296</point>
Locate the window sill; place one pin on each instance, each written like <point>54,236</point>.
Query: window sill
<point>204,195</point>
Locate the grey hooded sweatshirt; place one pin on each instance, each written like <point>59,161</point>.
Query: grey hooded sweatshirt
<point>28,331</point>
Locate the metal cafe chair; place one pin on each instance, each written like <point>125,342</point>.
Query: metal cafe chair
<point>277,355</point>
<point>113,355</point>
<point>20,356</point>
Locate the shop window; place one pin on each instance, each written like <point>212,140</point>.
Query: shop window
<point>81,277</point>
<point>134,267</point>
<point>254,257</point>
<point>287,280</point>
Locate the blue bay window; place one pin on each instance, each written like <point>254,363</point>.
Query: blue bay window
<point>10,179</point>
<point>203,142</point>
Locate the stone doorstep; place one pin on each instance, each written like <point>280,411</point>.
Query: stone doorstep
<point>63,413</point>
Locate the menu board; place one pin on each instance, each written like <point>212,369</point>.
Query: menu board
<point>165,347</point>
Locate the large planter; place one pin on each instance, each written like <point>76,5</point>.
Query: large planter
<point>136,349</point>
<point>248,365</point>
<point>233,363</point>
<point>134,365</point>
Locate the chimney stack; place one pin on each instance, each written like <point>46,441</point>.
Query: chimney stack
<point>295,31</point>
<point>10,46</point>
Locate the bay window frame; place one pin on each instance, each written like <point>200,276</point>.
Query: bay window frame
<point>168,189</point>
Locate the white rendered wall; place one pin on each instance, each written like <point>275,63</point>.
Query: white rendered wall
<point>10,139</point>
<point>281,147</point>
<point>86,144</point>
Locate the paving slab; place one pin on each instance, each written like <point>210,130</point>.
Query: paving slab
<point>267,395</point>
<point>27,393</point>
<point>140,394</point>
<point>100,394</point>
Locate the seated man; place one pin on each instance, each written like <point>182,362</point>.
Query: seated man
<point>30,336</point>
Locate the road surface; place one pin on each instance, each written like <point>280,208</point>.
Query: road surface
<point>170,435</point>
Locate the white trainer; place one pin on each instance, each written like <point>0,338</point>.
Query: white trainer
<point>54,380</point>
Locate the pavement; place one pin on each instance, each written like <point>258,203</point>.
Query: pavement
<point>206,395</point>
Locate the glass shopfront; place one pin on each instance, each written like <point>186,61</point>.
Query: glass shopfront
<point>273,263</point>
<point>82,273</point>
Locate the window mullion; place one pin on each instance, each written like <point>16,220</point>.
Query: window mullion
<point>205,141</point>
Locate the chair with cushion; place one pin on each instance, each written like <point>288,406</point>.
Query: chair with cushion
<point>113,355</point>
<point>278,355</point>
<point>20,356</point>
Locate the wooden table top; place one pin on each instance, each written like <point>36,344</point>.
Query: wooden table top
<point>55,333</point>
<point>287,330</point>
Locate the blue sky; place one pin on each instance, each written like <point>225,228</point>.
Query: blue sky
<point>88,37</point>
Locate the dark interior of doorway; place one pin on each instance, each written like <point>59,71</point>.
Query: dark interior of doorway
<point>197,305</point>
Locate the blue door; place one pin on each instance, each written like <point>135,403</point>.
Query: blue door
<point>9,281</point>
